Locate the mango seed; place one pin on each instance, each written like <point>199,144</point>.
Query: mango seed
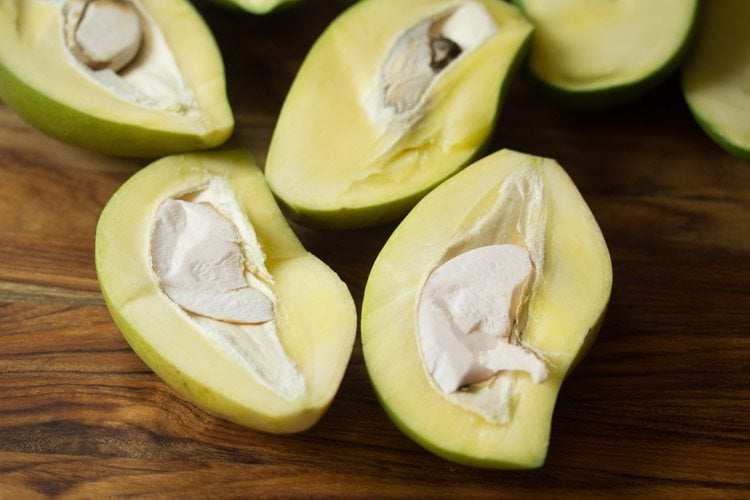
<point>103,34</point>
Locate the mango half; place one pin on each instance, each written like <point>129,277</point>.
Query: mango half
<point>170,98</point>
<point>392,99</point>
<point>716,77</point>
<point>505,198</point>
<point>601,54</point>
<point>278,376</point>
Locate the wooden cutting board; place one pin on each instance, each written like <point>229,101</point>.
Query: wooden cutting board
<point>660,406</point>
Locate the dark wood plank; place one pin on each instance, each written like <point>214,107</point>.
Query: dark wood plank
<point>659,407</point>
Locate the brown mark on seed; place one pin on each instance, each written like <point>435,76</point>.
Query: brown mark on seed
<point>444,51</point>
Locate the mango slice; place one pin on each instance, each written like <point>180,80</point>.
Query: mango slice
<point>393,98</point>
<point>507,198</point>
<point>163,92</point>
<point>716,77</point>
<point>604,53</point>
<point>277,376</point>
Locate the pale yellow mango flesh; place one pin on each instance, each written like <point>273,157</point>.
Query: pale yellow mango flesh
<point>315,313</point>
<point>564,314</point>
<point>585,46</point>
<point>256,6</point>
<point>716,78</point>
<point>33,53</point>
<point>328,160</point>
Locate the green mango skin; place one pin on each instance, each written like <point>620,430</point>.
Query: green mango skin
<point>619,95</point>
<point>96,134</point>
<point>104,135</point>
<point>719,138</point>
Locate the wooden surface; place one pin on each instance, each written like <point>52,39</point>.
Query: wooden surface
<point>660,406</point>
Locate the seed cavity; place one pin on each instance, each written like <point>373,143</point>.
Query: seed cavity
<point>473,306</point>
<point>118,44</point>
<point>103,34</point>
<point>198,258</point>
<point>208,261</point>
<point>420,56</point>
<point>467,311</point>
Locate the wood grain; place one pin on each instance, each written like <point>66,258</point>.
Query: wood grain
<point>659,407</point>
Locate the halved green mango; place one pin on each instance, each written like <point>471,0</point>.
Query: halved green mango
<point>367,129</point>
<point>716,77</point>
<point>604,53</point>
<point>278,376</point>
<point>45,84</point>
<point>507,198</point>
